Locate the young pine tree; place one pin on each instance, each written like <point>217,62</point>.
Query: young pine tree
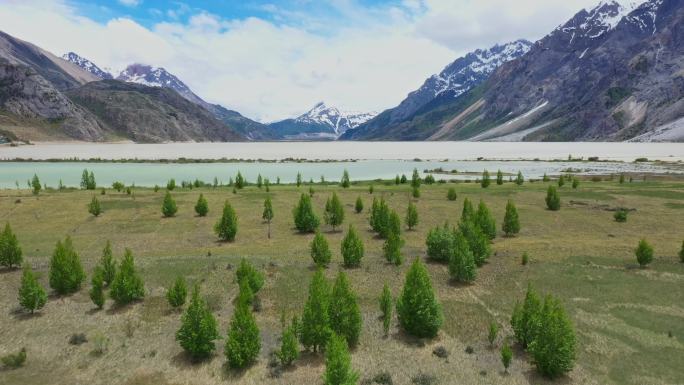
<point>552,199</point>
<point>198,328</point>
<point>254,277</point>
<point>305,219</point>
<point>484,220</point>
<point>575,182</point>
<point>240,181</point>
<point>334,211</point>
<point>419,313</point>
<point>358,207</point>
<point>245,294</point>
<point>493,332</point>
<point>519,179</point>
<point>178,293</point>
<point>461,261</point>
<point>243,342</point>
<point>31,295</point>
<point>415,179</point>
<point>486,181</point>
<point>299,179</point>
<point>439,243</point>
<point>468,211</point>
<point>345,183</point>
<point>411,216</point>
<point>370,189</point>
<point>169,207</point>
<point>338,369</point>
<point>289,346</point>
<point>66,272</point>
<point>127,285</point>
<point>499,178</point>
<point>108,265</point>
<point>392,248</point>
<point>451,194</point>
<point>171,184</point>
<point>644,253</point>
<point>344,313</point>
<point>94,207</point>
<point>267,214</point>
<point>477,242</point>
<point>511,223</point>
<point>97,287</point>
<point>506,356</point>
<point>315,328</point>
<point>10,251</point>
<point>35,185</point>
<point>320,250</point>
<point>526,317</point>
<point>415,192</point>
<point>352,248</point>
<point>202,207</point>
<point>227,226</point>
<point>386,307</point>
<point>553,346</point>
<point>260,181</point>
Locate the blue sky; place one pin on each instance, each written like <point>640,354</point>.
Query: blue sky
<point>275,59</point>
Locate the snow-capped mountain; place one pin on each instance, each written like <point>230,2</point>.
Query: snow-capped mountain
<point>87,65</point>
<point>156,77</point>
<point>322,122</point>
<point>595,22</point>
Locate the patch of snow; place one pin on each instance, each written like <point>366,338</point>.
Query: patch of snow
<point>339,120</point>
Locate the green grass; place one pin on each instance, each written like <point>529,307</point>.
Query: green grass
<point>622,314</point>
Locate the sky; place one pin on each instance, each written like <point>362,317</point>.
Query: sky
<point>276,59</point>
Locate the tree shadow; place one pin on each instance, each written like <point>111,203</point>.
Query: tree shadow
<point>182,360</point>
<point>120,309</point>
<point>8,270</point>
<point>234,374</point>
<point>409,340</point>
<point>21,315</point>
<point>308,358</point>
<point>534,377</point>
<point>93,311</point>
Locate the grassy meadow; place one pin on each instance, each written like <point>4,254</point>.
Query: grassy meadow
<point>629,321</point>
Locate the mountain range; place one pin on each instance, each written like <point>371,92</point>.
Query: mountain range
<point>613,72</point>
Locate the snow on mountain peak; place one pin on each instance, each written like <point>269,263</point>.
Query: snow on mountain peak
<point>339,120</point>
<point>86,64</point>
<point>595,22</point>
<point>152,77</point>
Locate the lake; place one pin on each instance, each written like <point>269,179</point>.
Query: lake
<point>375,160</point>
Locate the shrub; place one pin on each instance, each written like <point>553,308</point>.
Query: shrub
<point>254,277</point>
<point>468,211</point>
<point>370,189</point>
<point>499,178</point>
<point>198,328</point>
<point>483,219</point>
<point>96,290</point>
<point>415,192</point>
<point>243,342</point>
<point>561,180</point>
<point>506,356</point>
<point>411,216</point>
<point>108,265</point>
<point>352,248</point>
<point>511,224</point>
<point>451,194</point>
<point>553,345</point>
<point>202,207</point>
<point>127,285</point>
<point>305,219</point>
<point>94,207</point>
<point>15,360</point>
<point>415,179</point>
<point>380,215</point>
<point>485,182</point>
<point>358,207</point>
<point>267,214</point>
<point>240,181</point>
<point>519,179</point>
<point>345,183</point>
<point>419,312</point>
<point>344,313</point>
<point>171,184</point>
<point>552,199</point>
<point>169,207</point>
<point>66,272</point>
<point>575,182</point>
<point>177,293</point>
<point>31,295</point>
<point>477,242</point>
<point>334,211</point>
<point>392,248</point>
<point>320,251</point>
<point>461,260</point>
<point>315,327</point>
<point>289,347</point>
<point>245,294</point>
<point>226,227</point>
<point>644,253</point>
<point>620,215</point>
<point>386,308</point>
<point>525,317</point>
<point>338,370</point>
<point>493,331</point>
<point>10,251</point>
<point>439,243</point>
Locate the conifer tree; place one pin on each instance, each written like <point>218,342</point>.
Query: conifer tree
<point>552,199</point>
<point>84,179</point>
<point>380,217</point>
<point>499,178</point>
<point>338,369</point>
<point>622,178</point>
<point>511,223</point>
<point>178,293</point>
<point>493,331</point>
<point>506,356</point>
<point>468,211</point>
<point>254,277</point>
<point>644,253</point>
<point>519,180</point>
<point>289,346</point>
<point>243,342</point>
<point>169,207</point>
<point>352,248</point>
<point>10,252</point>
<point>484,219</point>
<point>127,285</point>
<point>260,181</point>
<point>305,219</point>
<point>411,216</point>
<point>386,307</point>
<point>35,185</point>
<point>415,179</point>
<point>575,182</point>
<point>240,181</point>
<point>561,180</point>
<point>344,312</point>
<point>397,180</point>
<point>553,346</point>
<point>370,189</point>
<point>245,294</point>
<point>299,179</point>
<point>415,192</point>
<point>198,328</point>
<point>334,211</point>
<point>486,181</point>
<point>451,194</point>
<point>31,295</point>
<point>227,226</point>
<point>526,317</point>
<point>358,207</point>
<point>202,207</point>
<point>345,183</point>
<point>267,214</point>
<point>477,242</point>
<point>170,185</point>
<point>315,328</point>
<point>320,250</point>
<point>392,248</point>
<point>419,313</point>
<point>94,207</point>
<point>545,178</point>
<point>403,179</point>
<point>97,287</point>
<point>66,272</point>
<point>439,243</point>
<point>108,265</point>
<point>461,260</point>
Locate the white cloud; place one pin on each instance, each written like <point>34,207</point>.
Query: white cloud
<point>360,58</point>
<point>130,3</point>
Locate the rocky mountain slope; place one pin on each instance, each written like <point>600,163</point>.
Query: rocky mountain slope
<point>321,122</point>
<point>87,65</point>
<point>609,73</point>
